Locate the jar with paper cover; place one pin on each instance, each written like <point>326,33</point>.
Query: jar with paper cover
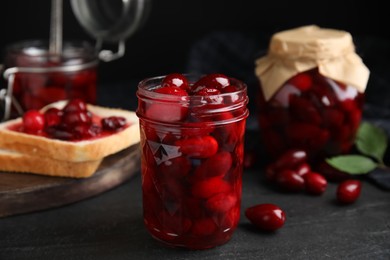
<point>311,96</point>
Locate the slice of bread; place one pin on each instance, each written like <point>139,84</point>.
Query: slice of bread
<point>11,161</point>
<point>72,151</point>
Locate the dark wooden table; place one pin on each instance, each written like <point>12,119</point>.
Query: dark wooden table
<point>110,226</point>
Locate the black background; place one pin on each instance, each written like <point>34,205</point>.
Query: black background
<point>162,45</point>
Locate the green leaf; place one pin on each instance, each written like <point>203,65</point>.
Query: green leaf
<point>352,164</point>
<point>371,140</point>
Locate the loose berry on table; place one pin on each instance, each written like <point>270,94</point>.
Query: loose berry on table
<point>348,191</point>
<point>268,217</point>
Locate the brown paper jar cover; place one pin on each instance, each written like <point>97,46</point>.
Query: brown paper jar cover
<point>304,48</point>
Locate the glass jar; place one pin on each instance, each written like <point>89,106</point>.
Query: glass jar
<point>35,77</point>
<point>192,163</point>
<point>311,94</point>
<point>310,112</point>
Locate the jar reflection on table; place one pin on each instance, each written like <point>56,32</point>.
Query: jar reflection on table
<point>191,165</point>
<point>41,78</point>
<point>313,113</point>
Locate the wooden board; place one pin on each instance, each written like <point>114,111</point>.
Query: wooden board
<point>22,193</point>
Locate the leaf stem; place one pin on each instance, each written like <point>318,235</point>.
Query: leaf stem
<point>382,165</point>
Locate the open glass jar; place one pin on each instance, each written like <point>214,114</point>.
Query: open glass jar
<point>312,92</point>
<point>37,74</point>
<point>313,113</point>
<point>35,77</point>
<point>192,163</point>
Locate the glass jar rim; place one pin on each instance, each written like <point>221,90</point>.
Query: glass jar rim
<point>198,105</point>
<point>76,51</point>
<point>147,92</point>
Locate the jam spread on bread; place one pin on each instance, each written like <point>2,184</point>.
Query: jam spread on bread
<point>72,123</point>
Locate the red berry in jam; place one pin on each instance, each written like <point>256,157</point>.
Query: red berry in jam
<point>198,146</point>
<point>217,81</point>
<point>53,116</point>
<point>217,165</point>
<point>315,183</point>
<point>348,191</point>
<point>178,167</point>
<point>302,81</point>
<point>323,95</point>
<point>229,89</point>
<point>204,227</point>
<point>230,219</point>
<point>210,187</point>
<point>76,117</point>
<point>176,80</point>
<point>268,217</point>
<point>174,224</point>
<point>221,203</point>
<point>291,159</point>
<point>33,121</point>
<point>196,128</point>
<point>207,92</point>
<point>75,105</point>
<point>171,91</point>
<point>168,112</point>
<point>303,110</point>
<point>85,131</point>
<point>60,132</point>
<point>113,123</point>
<point>333,117</point>
<point>289,180</point>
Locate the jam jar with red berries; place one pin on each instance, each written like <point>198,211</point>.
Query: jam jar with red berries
<point>311,94</point>
<point>37,77</point>
<point>192,140</point>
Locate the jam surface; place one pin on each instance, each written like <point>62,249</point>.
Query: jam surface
<point>72,123</point>
<point>19,128</point>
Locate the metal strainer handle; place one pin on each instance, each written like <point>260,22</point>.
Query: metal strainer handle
<point>111,21</point>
